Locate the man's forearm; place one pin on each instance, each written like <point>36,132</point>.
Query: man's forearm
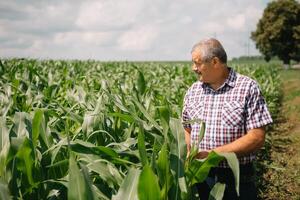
<point>187,135</point>
<point>245,145</point>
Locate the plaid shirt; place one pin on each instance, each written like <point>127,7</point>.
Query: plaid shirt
<point>228,112</point>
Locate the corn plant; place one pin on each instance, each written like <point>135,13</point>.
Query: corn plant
<point>101,130</point>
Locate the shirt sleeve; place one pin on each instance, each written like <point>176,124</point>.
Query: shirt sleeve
<point>257,113</point>
<point>185,112</point>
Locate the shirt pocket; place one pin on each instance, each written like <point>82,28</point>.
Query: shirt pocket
<point>233,114</point>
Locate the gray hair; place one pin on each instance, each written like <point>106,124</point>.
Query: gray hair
<point>210,48</point>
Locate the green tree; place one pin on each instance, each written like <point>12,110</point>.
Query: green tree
<point>278,31</point>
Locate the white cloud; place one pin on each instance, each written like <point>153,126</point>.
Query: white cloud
<point>124,30</point>
<point>3,31</point>
<point>78,37</point>
<point>138,39</point>
<point>236,22</point>
<point>103,15</point>
<point>186,20</point>
<point>211,28</point>
<point>253,15</point>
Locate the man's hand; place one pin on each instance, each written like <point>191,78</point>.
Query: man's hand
<point>202,154</point>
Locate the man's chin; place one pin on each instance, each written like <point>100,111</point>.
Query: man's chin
<point>200,78</point>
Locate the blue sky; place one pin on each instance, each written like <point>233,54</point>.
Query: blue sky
<point>125,30</point>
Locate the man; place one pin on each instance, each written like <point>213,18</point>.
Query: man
<point>235,114</point>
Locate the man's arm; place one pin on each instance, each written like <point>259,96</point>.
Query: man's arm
<point>187,136</point>
<point>251,142</point>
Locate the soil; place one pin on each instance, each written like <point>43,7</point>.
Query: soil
<point>281,167</point>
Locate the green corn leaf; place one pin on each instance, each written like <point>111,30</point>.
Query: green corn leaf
<point>155,149</point>
<point>80,146</point>
<point>179,146</point>
<point>118,102</point>
<point>199,169</point>
<point>36,126</point>
<point>26,160</point>
<point>41,130</point>
<point>99,194</point>
<point>72,115</point>
<point>20,126</point>
<point>55,149</point>
<point>164,118</point>
<point>164,174</point>
<point>91,195</point>
<point>107,151</point>
<point>177,168</point>
<point>78,186</point>
<point>233,163</point>
<point>5,145</point>
<point>217,192</point>
<point>89,122</point>
<point>147,115</point>
<point>141,83</point>
<point>142,146</point>
<point>163,163</point>
<point>124,117</point>
<point>128,189</point>
<point>76,189</point>
<point>4,192</point>
<point>4,138</point>
<point>59,163</point>
<point>202,131</point>
<point>177,157</point>
<point>164,113</point>
<point>106,170</point>
<point>148,187</point>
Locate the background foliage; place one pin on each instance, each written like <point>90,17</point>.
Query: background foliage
<point>278,31</point>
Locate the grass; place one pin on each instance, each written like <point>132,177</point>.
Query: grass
<point>282,179</point>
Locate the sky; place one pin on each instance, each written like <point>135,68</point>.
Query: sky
<point>132,30</point>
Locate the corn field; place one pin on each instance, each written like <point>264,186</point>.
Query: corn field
<point>104,130</point>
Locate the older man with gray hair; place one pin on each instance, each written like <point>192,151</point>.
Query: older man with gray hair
<point>235,114</point>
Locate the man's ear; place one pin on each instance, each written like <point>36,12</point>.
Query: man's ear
<point>215,60</point>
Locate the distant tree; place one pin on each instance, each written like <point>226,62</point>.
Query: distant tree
<point>278,31</point>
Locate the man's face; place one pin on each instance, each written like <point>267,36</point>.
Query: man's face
<point>204,70</point>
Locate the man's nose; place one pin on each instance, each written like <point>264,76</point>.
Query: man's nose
<point>194,67</point>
